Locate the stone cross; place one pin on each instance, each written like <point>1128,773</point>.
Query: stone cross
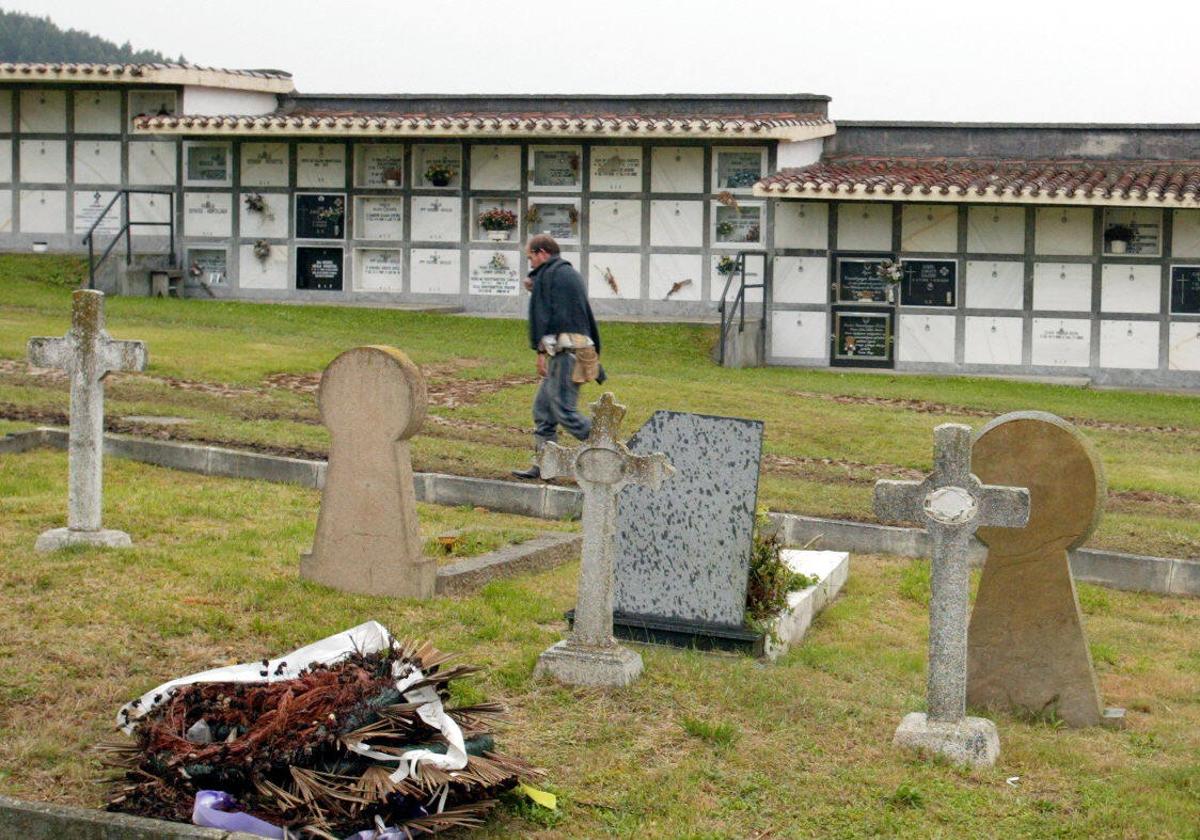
<point>368,540</point>
<point>952,503</point>
<point>87,354</point>
<point>601,466</point>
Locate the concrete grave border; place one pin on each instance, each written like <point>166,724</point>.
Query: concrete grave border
<point>46,821</point>
<point>1116,570</point>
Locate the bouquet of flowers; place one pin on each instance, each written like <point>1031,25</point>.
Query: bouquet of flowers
<point>439,174</point>
<point>889,271</point>
<point>498,219</point>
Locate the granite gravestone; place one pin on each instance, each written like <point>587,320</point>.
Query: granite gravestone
<point>372,400</point>
<point>683,554</point>
<point>1027,649</point>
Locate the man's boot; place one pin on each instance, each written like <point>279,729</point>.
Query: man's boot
<point>532,473</point>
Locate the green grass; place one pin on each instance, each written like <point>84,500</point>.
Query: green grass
<point>829,435</point>
<point>701,746</point>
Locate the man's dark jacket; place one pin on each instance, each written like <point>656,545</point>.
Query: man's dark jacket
<point>559,304</point>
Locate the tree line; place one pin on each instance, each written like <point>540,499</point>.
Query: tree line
<point>26,37</point>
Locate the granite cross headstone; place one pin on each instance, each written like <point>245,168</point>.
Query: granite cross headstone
<point>372,400</point>
<point>683,554</point>
<point>602,466</point>
<point>952,503</point>
<point>1026,647</point>
<point>87,353</point>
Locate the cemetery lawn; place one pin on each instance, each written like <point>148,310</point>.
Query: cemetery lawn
<point>244,375</point>
<point>702,746</point>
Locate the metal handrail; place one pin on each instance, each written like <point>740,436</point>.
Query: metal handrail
<point>739,302</point>
<point>89,238</point>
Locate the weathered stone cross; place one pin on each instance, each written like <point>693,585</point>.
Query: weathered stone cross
<point>87,354</point>
<point>601,466</point>
<point>952,503</point>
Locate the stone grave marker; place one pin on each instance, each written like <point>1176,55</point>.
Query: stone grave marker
<point>602,466</point>
<point>952,503</point>
<point>683,555</point>
<point>88,354</point>
<point>1027,649</point>
<point>372,400</point>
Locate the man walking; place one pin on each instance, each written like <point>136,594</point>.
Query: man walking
<point>563,331</point>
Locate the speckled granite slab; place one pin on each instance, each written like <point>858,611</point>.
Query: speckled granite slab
<point>683,551</point>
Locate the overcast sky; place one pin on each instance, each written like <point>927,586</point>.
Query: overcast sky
<point>1011,60</point>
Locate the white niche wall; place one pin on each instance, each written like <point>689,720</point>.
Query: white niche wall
<point>800,280</point>
<point>676,224</point>
<point>675,277</point>
<point>802,224</point>
<point>929,227</point>
<point>1130,288</point>
<point>993,341</point>
<point>615,221</point>
<point>6,214</point>
<point>378,270</point>
<point>268,273</point>
<point>264,165</point>
<point>44,161</point>
<point>436,218</point>
<point>495,167</point>
<point>996,230</point>
<point>926,338</point>
<point>1183,346</point>
<point>624,269</point>
<point>677,169</point>
<point>43,211</point>
<point>321,165</point>
<point>1130,345</point>
<point>1062,287</point>
<point>97,161</point>
<point>616,169</point>
<point>434,271</point>
<point>5,160</point>
<point>150,208</point>
<point>1063,231</point>
<point>862,226</point>
<point>97,112</point>
<point>1062,342</point>
<point>755,268</point>
<point>800,335</point>
<point>152,163</point>
<point>995,284</point>
<point>1185,234</point>
<point>6,113</point>
<point>270,223</point>
<point>43,111</point>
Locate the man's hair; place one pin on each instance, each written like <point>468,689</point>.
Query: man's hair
<point>542,242</point>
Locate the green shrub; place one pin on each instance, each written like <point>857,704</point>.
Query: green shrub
<point>770,578</point>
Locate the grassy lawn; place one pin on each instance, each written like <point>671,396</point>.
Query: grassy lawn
<point>703,746</point>
<point>243,375</point>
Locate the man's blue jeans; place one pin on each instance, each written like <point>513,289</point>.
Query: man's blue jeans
<point>556,403</point>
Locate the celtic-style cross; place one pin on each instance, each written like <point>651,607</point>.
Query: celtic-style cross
<point>952,503</point>
<point>601,466</point>
<point>87,354</point>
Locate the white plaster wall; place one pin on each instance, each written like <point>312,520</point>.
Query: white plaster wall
<point>626,268</point>
<point>1184,346</point>
<point>5,160</point>
<point>677,169</point>
<point>6,112</point>
<point>676,224</point>
<point>264,165</point>
<point>929,227</point>
<point>270,224</point>
<point>1185,234</point>
<point>495,167</point>
<point>43,211</point>
<point>1063,231</point>
<point>1062,342</point>
<point>802,224</point>
<point>152,164</point>
<point>321,165</point>
<point>43,111</point>
<point>97,111</point>
<point>800,280</point>
<point>87,207</point>
<point>436,218</point>
<point>800,335</point>
<point>996,230</point>
<point>1062,287</point>
<point>993,341</point>
<point>755,269</point>
<point>1129,344</point>
<point>44,161</point>
<point>378,270</point>
<point>995,284</point>
<point>668,269</point>
<point>219,101</point>
<point>97,161</point>
<point>150,208</point>
<point>863,226</point>
<point>616,168</point>
<point>484,280</point>
<point>434,272</point>
<point>271,273</point>
<point>6,211</point>
<point>379,217</point>
<point>925,338</point>
<point>790,153</point>
<point>615,221</point>
<point>207,214</point>
<point>1130,288</point>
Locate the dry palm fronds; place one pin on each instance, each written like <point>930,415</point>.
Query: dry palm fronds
<point>284,749</point>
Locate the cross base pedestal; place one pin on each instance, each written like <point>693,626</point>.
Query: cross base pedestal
<point>611,666</point>
<point>971,741</point>
<point>57,538</point>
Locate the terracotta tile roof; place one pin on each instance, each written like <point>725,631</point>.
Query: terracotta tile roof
<point>516,124</point>
<point>1089,182</point>
<point>171,73</point>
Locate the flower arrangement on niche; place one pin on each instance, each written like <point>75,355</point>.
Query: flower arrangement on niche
<point>726,266</point>
<point>498,222</point>
<point>439,174</point>
<point>393,176</point>
<point>533,215</point>
<point>724,229</point>
<point>255,203</point>
<point>889,271</point>
<point>262,250</point>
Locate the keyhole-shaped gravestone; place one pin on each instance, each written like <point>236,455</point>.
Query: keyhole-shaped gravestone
<point>372,400</point>
<point>1026,645</point>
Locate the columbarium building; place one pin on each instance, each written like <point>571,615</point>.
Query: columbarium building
<point>988,248</point>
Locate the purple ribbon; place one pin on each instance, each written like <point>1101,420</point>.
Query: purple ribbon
<point>212,810</point>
